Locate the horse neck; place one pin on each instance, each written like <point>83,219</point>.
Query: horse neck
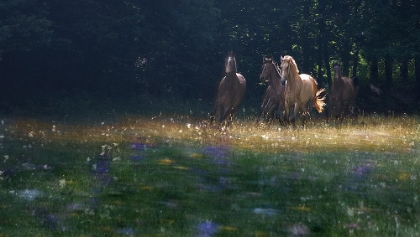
<point>275,80</point>
<point>293,78</point>
<point>232,71</point>
<point>340,81</point>
<point>231,77</point>
<point>337,78</point>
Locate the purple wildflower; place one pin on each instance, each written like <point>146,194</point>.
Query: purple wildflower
<point>217,151</point>
<point>138,146</point>
<point>361,171</point>
<point>207,229</point>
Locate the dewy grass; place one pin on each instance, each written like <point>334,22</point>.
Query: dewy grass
<point>163,176</point>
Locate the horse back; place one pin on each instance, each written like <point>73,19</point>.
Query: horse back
<point>349,88</point>
<point>241,80</point>
<point>310,86</point>
<point>240,90</point>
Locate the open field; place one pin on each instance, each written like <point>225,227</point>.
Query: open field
<point>176,176</point>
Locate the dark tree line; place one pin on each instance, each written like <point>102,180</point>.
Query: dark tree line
<point>68,53</point>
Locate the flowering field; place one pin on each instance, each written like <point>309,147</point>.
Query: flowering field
<point>177,176</point>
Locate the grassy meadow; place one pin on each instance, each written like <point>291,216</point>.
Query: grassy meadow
<point>177,176</point>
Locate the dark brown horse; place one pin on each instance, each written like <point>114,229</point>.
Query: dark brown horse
<point>343,93</point>
<point>273,100</point>
<point>231,91</point>
<point>300,90</point>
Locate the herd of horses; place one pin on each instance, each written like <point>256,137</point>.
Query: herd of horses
<point>288,93</point>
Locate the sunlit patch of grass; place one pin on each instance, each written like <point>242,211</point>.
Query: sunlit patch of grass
<point>370,133</point>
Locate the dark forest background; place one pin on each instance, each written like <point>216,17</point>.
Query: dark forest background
<point>59,57</point>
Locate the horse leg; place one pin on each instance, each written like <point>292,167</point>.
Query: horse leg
<point>305,113</point>
<point>223,113</point>
<point>353,111</point>
<point>213,113</point>
<point>343,111</point>
<point>295,113</point>
<point>230,120</point>
<point>350,111</point>
<point>336,112</point>
<point>270,116</point>
<point>270,111</point>
<point>278,114</point>
<point>262,109</point>
<point>334,109</point>
<point>259,115</point>
<point>286,113</point>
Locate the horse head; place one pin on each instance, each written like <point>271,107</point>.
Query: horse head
<point>230,63</point>
<point>337,70</point>
<point>284,67</point>
<point>288,68</point>
<point>265,73</point>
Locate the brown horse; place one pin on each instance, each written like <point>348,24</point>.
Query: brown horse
<point>300,90</point>
<point>231,91</point>
<point>343,93</point>
<point>273,100</point>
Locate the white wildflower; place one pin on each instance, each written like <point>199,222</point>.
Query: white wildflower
<point>62,183</point>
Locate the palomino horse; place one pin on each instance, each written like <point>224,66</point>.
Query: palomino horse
<point>343,93</point>
<point>273,99</point>
<point>300,90</point>
<point>231,91</point>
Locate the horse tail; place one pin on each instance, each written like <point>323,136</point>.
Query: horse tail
<point>319,100</point>
<point>355,80</point>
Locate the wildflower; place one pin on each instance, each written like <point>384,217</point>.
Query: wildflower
<point>62,183</point>
<point>207,229</point>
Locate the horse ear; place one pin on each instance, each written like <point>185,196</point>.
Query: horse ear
<point>281,58</point>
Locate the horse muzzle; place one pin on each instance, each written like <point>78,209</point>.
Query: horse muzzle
<point>264,79</point>
<point>283,81</point>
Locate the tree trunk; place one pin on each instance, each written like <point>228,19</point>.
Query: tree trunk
<point>355,63</point>
<point>323,45</point>
<point>404,70</point>
<point>374,75</point>
<point>306,46</point>
<point>345,57</point>
<point>319,62</point>
<point>388,71</point>
<point>417,72</point>
<point>327,63</point>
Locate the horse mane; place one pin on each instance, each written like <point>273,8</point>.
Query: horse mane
<point>276,66</point>
<point>271,58</point>
<point>293,68</point>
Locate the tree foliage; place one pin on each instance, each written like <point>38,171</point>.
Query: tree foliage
<point>175,48</point>
<point>23,25</point>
